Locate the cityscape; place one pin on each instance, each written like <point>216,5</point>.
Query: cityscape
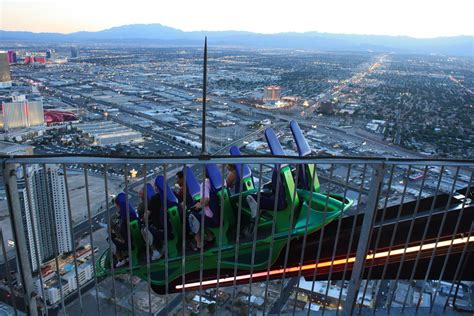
<point>90,120</point>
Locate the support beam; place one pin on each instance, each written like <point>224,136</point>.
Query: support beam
<point>364,237</point>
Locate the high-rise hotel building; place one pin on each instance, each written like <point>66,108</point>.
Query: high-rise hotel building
<point>271,93</point>
<point>5,77</point>
<point>45,213</point>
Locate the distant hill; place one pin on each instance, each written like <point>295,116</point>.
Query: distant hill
<point>160,34</point>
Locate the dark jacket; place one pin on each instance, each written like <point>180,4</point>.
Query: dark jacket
<point>157,216</point>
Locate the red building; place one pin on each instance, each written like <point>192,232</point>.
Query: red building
<point>40,60</point>
<point>57,117</point>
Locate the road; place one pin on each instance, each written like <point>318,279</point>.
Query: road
<point>381,298</point>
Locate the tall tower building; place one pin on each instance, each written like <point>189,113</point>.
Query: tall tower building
<point>271,93</point>
<point>74,52</point>
<point>11,57</point>
<point>45,212</point>
<point>5,77</point>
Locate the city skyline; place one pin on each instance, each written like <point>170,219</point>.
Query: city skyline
<point>422,19</point>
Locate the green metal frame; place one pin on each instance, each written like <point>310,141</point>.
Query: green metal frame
<point>228,214</point>
<point>138,246</point>
<point>313,176</point>
<point>174,242</point>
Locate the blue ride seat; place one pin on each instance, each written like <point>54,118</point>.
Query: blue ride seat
<point>174,218</point>
<point>171,199</point>
<point>278,170</point>
<point>286,180</point>
<point>244,174</point>
<point>307,177</point>
<point>193,189</point>
<point>218,194</point>
<point>193,195</point>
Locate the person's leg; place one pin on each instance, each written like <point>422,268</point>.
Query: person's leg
<point>267,202</point>
<point>197,236</point>
<point>119,244</point>
<point>156,244</point>
<point>121,251</point>
<point>254,213</point>
<point>210,222</point>
<point>194,220</point>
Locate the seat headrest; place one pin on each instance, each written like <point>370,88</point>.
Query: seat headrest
<point>275,146</point>
<point>215,176</point>
<point>244,168</point>
<point>171,199</point>
<point>274,143</point>
<point>301,142</point>
<point>192,185</point>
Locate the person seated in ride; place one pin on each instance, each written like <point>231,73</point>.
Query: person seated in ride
<point>119,246</point>
<point>155,216</point>
<point>267,199</point>
<point>179,186</point>
<point>120,238</point>
<point>231,179</point>
<point>150,192</point>
<point>195,215</point>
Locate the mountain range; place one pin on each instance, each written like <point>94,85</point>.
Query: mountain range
<point>157,34</point>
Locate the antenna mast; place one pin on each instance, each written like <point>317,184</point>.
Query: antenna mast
<point>204,92</point>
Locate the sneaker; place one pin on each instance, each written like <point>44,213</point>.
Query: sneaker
<point>253,206</point>
<point>121,263</point>
<point>192,245</point>
<point>155,255</point>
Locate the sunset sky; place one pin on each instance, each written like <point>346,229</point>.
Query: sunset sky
<point>417,18</point>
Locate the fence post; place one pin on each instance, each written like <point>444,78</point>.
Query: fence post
<point>364,237</point>
<point>14,208</point>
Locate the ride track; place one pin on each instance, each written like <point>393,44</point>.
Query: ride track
<point>437,227</point>
<point>380,255</point>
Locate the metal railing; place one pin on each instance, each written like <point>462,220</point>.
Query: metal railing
<point>403,245</point>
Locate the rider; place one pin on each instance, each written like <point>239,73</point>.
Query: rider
<point>156,217</point>
<point>121,241</point>
<point>150,192</point>
<point>195,215</point>
<point>179,186</point>
<point>231,179</point>
<point>267,199</point>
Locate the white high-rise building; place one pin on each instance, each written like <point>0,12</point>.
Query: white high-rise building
<point>46,213</point>
<point>21,113</point>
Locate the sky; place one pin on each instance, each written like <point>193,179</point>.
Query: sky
<point>416,18</point>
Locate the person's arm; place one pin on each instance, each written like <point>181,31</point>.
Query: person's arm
<point>150,213</point>
<point>205,195</point>
<point>141,209</point>
<point>230,179</point>
<point>122,214</point>
<point>146,217</point>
